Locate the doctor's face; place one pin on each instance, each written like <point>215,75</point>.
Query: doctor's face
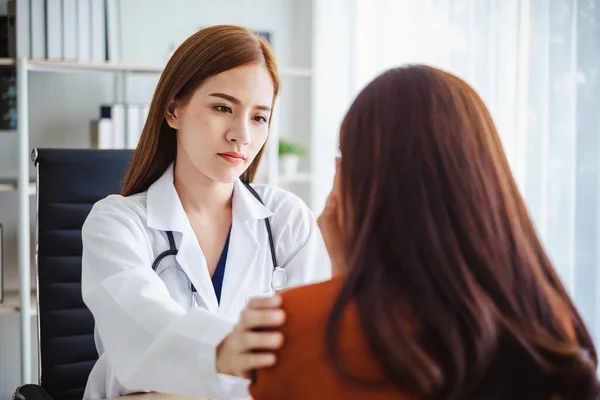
<point>225,123</point>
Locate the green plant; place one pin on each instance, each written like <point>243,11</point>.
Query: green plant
<point>289,147</point>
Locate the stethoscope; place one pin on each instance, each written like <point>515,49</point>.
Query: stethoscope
<point>278,276</point>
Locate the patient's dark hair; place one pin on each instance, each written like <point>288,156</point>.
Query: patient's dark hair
<point>455,293</point>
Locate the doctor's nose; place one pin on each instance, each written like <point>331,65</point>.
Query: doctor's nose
<point>239,133</point>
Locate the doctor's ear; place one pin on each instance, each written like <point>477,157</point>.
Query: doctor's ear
<point>171,115</point>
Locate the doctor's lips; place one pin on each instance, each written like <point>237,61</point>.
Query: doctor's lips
<point>233,157</point>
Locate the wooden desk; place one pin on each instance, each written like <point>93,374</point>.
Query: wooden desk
<point>157,396</point>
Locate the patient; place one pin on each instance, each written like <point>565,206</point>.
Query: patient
<point>444,291</point>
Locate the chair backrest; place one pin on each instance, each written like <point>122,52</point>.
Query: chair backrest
<point>69,182</point>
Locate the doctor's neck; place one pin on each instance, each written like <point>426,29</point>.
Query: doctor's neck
<point>200,194</point>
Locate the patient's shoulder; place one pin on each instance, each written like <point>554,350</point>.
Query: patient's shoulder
<point>313,296</point>
<point>308,307</point>
<point>303,370</point>
<point>301,365</point>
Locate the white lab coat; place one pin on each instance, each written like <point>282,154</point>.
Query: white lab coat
<point>148,334</point>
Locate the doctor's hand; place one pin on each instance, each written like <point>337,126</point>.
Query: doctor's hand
<point>251,344</point>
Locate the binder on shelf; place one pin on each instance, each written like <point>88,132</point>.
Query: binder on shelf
<point>70,31</point>
<point>119,126</point>
<point>113,31</point>
<point>11,21</point>
<point>37,9</point>
<point>98,31</point>
<point>54,32</point>
<point>101,129</point>
<point>84,29</point>
<point>135,123</point>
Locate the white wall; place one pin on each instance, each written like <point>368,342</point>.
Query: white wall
<point>161,24</point>
<point>333,81</point>
<point>294,106</point>
<point>10,347</point>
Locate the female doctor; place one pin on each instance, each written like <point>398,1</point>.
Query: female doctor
<point>176,269</point>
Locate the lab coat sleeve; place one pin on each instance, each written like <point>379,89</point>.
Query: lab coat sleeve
<point>150,341</point>
<point>302,249</point>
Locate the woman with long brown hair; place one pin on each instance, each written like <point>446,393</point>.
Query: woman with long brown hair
<point>180,256</point>
<point>444,289</point>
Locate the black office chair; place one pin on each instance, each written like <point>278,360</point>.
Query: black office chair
<point>69,182</point>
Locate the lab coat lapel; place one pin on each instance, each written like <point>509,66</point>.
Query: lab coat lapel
<point>166,213</point>
<point>192,261</point>
<point>243,250</point>
<point>163,207</point>
<point>244,244</point>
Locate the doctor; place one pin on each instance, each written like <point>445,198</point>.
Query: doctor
<point>176,269</point>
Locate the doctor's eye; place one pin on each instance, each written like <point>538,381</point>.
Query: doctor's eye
<point>225,109</point>
<point>260,119</point>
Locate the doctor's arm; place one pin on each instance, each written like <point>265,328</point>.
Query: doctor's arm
<point>151,343</point>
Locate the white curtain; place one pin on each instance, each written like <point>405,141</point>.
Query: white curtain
<point>536,63</point>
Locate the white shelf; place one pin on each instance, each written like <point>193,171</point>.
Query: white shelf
<point>70,66</point>
<point>8,185</point>
<point>12,304</point>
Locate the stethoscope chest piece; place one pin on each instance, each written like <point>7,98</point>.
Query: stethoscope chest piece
<point>279,279</point>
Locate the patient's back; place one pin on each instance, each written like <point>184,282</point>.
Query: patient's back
<point>302,370</point>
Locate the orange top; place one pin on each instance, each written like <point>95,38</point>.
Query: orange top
<point>303,370</point>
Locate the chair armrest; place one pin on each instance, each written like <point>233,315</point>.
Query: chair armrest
<point>30,392</point>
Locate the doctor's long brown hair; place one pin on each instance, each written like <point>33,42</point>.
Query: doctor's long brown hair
<point>206,53</point>
<point>456,296</point>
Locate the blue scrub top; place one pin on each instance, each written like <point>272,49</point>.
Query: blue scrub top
<point>217,278</point>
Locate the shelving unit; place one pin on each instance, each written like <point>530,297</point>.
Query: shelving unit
<point>24,303</point>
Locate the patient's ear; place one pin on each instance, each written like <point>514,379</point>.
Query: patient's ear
<point>171,114</point>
